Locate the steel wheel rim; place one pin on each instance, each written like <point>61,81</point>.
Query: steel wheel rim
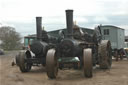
<point>87,61</point>
<point>51,64</point>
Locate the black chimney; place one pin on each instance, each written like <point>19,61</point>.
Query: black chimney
<point>69,21</point>
<point>39,27</point>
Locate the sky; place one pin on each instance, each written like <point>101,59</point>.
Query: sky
<point>21,14</point>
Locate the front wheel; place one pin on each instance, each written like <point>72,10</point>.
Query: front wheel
<point>87,62</point>
<point>51,64</point>
<point>23,65</point>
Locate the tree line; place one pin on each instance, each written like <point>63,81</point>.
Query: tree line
<point>9,38</point>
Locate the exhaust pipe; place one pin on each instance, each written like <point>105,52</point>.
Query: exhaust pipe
<point>69,22</point>
<point>39,28</point>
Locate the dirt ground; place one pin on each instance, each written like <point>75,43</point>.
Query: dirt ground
<point>117,75</point>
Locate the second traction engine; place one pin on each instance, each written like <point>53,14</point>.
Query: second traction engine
<point>36,53</point>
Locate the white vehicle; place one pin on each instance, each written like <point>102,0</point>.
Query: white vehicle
<point>1,52</point>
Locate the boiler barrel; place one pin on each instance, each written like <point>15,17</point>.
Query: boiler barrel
<point>70,48</point>
<point>39,48</point>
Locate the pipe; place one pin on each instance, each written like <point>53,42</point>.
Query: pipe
<point>69,22</point>
<point>39,28</point>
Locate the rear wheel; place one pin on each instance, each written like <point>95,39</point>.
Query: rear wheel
<point>23,65</point>
<point>51,64</point>
<point>105,54</point>
<point>87,62</point>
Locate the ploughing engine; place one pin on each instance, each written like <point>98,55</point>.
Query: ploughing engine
<point>90,50</point>
<point>36,53</point>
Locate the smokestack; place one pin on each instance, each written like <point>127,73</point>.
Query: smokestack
<point>39,27</point>
<point>69,21</point>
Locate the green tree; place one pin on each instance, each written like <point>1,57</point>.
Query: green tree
<point>10,39</point>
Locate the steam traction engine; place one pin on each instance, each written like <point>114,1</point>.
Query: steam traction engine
<point>90,50</point>
<point>36,53</point>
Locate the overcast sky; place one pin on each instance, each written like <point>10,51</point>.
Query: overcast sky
<point>88,13</point>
